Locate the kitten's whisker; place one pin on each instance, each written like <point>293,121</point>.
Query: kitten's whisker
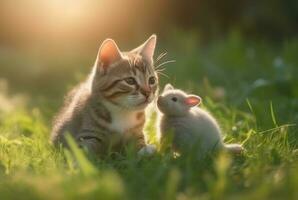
<point>164,63</point>
<point>161,56</point>
<point>163,74</point>
<point>160,69</point>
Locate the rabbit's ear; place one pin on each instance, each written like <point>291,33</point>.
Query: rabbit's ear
<point>192,100</point>
<point>168,87</point>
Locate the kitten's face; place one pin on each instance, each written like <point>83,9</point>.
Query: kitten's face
<point>129,79</point>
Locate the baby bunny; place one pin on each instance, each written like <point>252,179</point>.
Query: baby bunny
<point>189,124</point>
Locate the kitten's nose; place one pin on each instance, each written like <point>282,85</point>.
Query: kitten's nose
<point>145,91</point>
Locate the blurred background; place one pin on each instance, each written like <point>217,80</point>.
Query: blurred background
<point>231,52</point>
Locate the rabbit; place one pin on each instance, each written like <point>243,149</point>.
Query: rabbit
<point>189,124</point>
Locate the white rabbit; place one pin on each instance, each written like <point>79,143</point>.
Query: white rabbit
<point>189,124</point>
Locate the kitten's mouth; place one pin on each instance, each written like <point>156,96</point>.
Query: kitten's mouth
<point>145,102</point>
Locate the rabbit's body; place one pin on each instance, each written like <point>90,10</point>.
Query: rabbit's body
<point>189,124</point>
<point>197,126</point>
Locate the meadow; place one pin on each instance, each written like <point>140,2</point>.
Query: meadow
<point>251,87</point>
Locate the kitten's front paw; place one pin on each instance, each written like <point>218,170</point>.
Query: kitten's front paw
<point>148,150</point>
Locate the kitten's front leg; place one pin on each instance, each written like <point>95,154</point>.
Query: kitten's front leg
<point>144,149</point>
<point>140,139</point>
<point>147,150</point>
<point>137,137</point>
<point>92,144</point>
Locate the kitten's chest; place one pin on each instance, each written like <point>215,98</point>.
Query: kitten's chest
<point>124,121</point>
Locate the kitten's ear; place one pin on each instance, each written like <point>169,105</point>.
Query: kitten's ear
<point>192,100</point>
<point>147,48</point>
<point>108,53</point>
<point>168,87</point>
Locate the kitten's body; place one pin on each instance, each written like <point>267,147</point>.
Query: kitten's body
<point>189,124</point>
<point>86,117</point>
<point>107,110</point>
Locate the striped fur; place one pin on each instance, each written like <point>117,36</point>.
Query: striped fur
<point>107,110</point>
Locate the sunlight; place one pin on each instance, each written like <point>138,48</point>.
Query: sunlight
<point>67,11</point>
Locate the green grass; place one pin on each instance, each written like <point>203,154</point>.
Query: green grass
<point>250,87</point>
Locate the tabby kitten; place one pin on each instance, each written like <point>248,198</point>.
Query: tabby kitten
<point>106,111</point>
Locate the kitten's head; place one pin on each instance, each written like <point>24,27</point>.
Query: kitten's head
<point>126,79</point>
<point>174,102</point>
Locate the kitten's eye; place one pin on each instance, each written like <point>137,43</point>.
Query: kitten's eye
<point>130,81</point>
<point>174,99</point>
<point>151,80</point>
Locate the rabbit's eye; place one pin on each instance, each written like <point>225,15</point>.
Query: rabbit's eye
<point>174,99</point>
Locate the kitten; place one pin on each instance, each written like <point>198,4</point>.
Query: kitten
<point>106,111</point>
<point>189,123</point>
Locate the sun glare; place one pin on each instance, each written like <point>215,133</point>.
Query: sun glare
<point>59,21</point>
<point>66,11</point>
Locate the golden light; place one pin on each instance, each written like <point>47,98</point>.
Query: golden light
<point>69,21</point>
<point>67,12</point>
